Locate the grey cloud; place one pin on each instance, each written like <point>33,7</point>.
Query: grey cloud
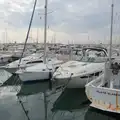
<point>86,15</point>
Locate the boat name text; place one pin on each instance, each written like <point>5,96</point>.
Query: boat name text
<point>108,93</point>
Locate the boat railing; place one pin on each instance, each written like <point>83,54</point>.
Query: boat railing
<point>108,89</point>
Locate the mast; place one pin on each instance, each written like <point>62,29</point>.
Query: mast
<point>29,28</point>
<point>6,35</point>
<point>45,31</point>
<point>37,35</point>
<point>111,32</point>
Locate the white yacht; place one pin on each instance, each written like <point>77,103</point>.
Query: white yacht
<point>39,72</point>
<point>33,59</point>
<point>77,73</point>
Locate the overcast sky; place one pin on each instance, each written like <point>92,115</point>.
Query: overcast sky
<point>73,21</point>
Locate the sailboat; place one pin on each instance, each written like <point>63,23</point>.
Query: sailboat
<point>42,71</point>
<point>39,72</point>
<point>76,74</point>
<point>104,92</point>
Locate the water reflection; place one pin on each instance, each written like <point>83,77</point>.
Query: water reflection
<point>96,114</point>
<point>69,105</point>
<point>34,88</point>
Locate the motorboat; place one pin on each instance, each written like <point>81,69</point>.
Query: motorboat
<point>104,91</point>
<point>76,74</point>
<point>33,59</point>
<point>39,72</point>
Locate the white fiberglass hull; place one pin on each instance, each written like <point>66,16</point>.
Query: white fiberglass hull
<point>78,74</point>
<point>39,72</point>
<point>12,69</point>
<point>103,98</point>
<point>34,76</point>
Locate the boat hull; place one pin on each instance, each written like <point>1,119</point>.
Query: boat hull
<point>103,98</point>
<point>12,69</point>
<point>34,76</point>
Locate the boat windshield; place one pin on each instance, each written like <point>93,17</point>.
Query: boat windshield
<point>93,55</point>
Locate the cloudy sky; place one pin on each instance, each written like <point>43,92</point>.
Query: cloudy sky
<point>73,21</point>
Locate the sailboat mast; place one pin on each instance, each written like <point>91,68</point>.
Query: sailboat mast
<point>45,31</point>
<point>5,35</point>
<point>111,32</point>
<point>29,28</point>
<point>37,35</point>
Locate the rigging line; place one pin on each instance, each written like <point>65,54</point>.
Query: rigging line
<point>28,32</point>
<point>47,13</point>
<point>26,112</point>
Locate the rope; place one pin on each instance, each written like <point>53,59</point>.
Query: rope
<point>68,81</point>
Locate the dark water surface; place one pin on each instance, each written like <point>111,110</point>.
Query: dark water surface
<point>68,105</point>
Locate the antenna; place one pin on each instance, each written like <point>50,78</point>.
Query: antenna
<point>111,31</point>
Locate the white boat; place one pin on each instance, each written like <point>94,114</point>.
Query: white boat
<point>39,72</point>
<point>77,73</point>
<point>104,92</point>
<point>25,62</point>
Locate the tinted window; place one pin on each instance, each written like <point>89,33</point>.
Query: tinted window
<point>40,61</point>
<point>91,75</point>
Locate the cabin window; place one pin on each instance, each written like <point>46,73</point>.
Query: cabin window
<point>84,77</point>
<point>91,75</point>
<point>40,61</point>
<point>25,60</point>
